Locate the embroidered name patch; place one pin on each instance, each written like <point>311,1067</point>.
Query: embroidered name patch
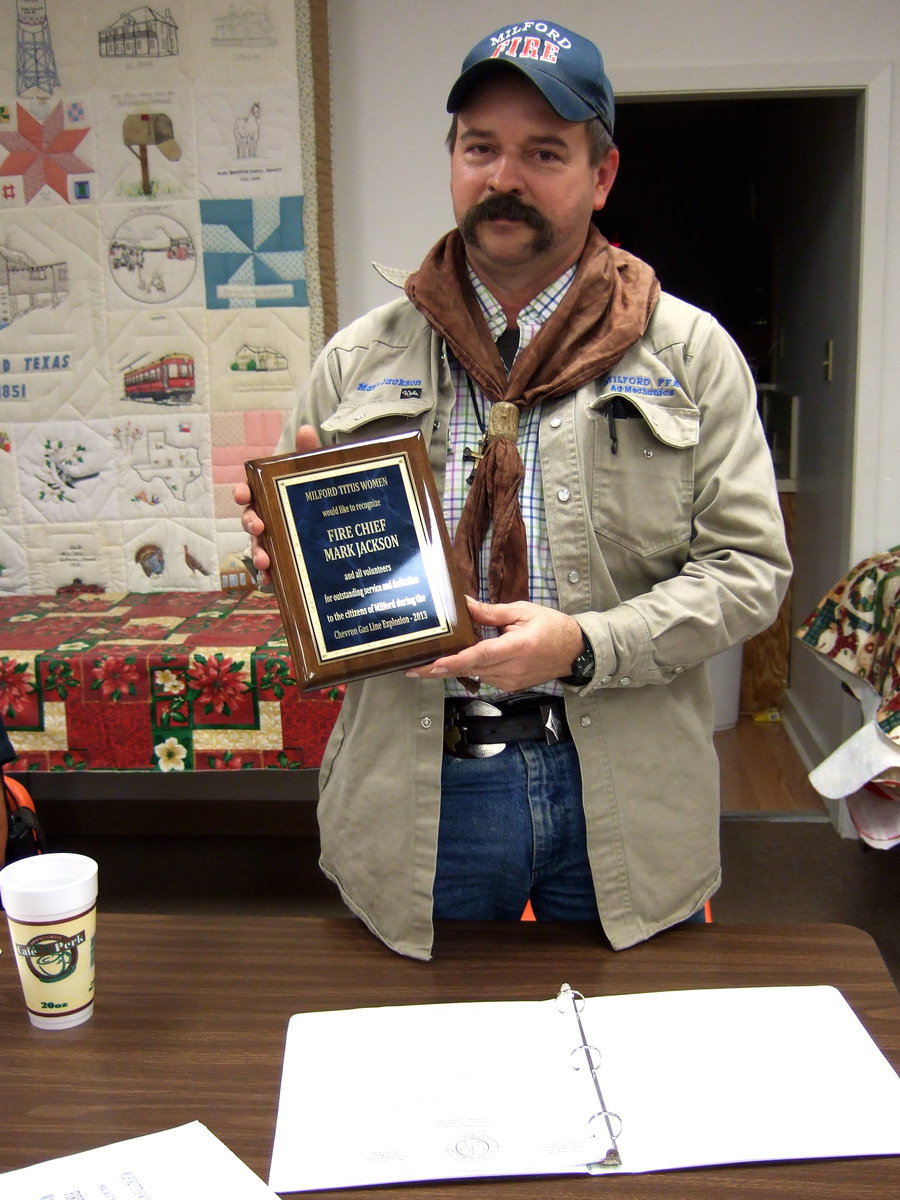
<point>642,385</point>
<point>400,383</point>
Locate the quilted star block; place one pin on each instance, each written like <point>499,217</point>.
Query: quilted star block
<point>43,152</point>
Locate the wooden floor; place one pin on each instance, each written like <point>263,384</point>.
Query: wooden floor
<point>762,772</point>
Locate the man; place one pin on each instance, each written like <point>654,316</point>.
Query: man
<point>613,509</point>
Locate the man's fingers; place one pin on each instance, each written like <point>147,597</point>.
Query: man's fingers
<point>306,439</point>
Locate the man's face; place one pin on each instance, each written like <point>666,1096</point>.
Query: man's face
<point>521,181</point>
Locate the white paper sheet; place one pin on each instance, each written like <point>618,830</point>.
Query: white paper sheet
<point>185,1163</point>
<point>697,1078</point>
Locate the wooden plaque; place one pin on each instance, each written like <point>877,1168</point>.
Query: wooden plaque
<point>360,559</point>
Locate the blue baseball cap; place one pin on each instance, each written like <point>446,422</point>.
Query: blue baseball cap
<point>565,67</point>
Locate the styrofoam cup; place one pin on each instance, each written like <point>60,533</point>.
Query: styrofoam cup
<point>51,906</point>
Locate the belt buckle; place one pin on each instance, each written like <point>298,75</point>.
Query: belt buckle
<point>462,749</point>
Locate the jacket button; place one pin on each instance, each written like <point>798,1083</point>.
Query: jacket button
<point>573,577</point>
<point>555,422</point>
<point>624,681</point>
<point>585,721</point>
<point>563,494</point>
<point>426,722</point>
<point>606,679</point>
<point>648,453</point>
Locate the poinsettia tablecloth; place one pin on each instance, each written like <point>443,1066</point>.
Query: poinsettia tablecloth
<point>169,681</point>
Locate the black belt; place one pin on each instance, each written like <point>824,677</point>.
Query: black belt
<point>481,728</point>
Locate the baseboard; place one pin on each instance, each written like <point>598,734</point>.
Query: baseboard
<point>811,751</point>
<point>801,732</point>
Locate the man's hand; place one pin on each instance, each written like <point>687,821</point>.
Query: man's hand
<point>306,439</point>
<point>535,644</point>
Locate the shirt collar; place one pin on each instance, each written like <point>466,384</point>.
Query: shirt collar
<point>533,315</point>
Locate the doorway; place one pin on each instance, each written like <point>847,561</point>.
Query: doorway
<point>750,207</point>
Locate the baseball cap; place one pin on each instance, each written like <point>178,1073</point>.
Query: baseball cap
<point>565,67</point>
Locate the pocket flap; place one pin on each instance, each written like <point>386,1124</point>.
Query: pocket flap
<point>675,424</point>
<point>355,413</point>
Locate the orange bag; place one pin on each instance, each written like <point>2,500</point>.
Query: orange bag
<point>20,831</point>
<point>20,834</point>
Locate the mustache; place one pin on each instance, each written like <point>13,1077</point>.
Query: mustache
<point>503,206</point>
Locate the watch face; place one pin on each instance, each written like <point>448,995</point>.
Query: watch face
<point>585,661</point>
<point>582,669</point>
<point>583,666</point>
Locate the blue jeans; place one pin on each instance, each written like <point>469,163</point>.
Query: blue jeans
<point>512,829</point>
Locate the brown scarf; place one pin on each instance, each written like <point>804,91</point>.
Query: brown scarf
<point>604,311</point>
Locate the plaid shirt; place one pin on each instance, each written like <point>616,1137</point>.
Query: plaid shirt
<point>467,426</point>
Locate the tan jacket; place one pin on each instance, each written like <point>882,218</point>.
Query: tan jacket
<point>667,552</point>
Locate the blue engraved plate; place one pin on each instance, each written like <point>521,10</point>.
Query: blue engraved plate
<point>358,537</point>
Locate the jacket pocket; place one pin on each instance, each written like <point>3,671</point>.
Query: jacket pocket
<point>642,487</point>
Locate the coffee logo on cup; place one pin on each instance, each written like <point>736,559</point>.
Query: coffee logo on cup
<point>50,957</point>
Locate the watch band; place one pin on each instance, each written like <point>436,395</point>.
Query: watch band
<point>582,669</point>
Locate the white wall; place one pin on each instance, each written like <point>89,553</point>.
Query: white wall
<point>393,62</point>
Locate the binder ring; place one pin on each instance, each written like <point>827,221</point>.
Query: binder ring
<point>566,996</point>
<point>588,1051</point>
<point>612,1123</point>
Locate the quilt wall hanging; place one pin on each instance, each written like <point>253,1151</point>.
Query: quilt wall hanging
<point>159,286</point>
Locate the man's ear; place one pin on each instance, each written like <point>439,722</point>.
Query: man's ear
<point>606,177</point>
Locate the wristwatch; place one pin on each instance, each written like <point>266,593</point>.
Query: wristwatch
<point>582,669</point>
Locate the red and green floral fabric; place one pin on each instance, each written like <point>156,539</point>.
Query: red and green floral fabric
<point>169,681</point>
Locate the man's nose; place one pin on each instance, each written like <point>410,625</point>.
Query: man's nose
<point>506,176</point>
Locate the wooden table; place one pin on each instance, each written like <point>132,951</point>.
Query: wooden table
<point>191,1016</point>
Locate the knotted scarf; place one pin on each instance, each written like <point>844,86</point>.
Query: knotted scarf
<point>604,311</point>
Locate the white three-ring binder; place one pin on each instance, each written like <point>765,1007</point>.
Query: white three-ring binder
<point>608,1084</point>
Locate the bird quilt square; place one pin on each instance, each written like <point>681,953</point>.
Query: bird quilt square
<point>162,555</point>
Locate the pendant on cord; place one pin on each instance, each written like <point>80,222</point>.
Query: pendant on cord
<point>474,456</point>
